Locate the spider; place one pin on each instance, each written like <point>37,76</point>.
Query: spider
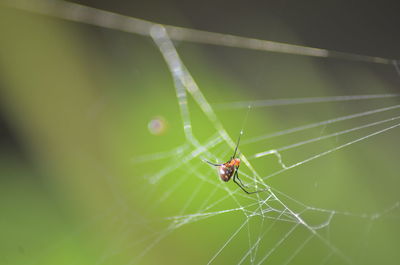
<point>231,168</point>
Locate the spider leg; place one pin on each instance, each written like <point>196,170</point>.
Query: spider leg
<point>236,176</point>
<point>237,144</point>
<point>216,165</point>
<point>237,183</point>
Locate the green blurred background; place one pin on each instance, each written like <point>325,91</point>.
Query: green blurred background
<point>76,101</point>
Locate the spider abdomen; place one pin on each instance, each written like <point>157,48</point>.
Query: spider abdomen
<point>226,172</point>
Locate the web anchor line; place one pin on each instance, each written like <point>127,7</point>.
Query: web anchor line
<point>111,20</point>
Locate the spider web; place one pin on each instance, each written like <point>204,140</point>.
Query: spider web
<point>272,227</point>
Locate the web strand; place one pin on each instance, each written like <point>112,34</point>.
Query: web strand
<point>331,150</point>
<point>105,19</point>
<point>318,124</point>
<point>297,101</point>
